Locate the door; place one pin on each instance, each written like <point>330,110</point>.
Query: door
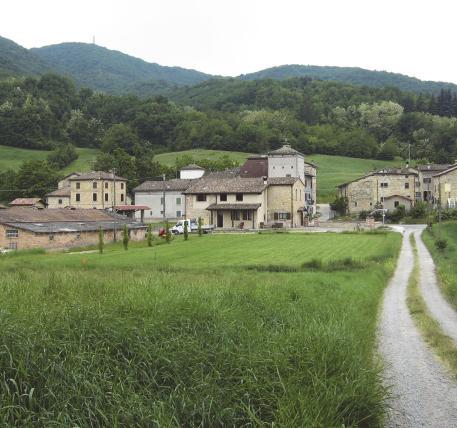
<point>220,219</point>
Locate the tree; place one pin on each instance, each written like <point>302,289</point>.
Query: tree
<point>149,235</point>
<point>101,243</point>
<point>186,231</point>
<point>340,205</point>
<point>388,150</point>
<point>63,156</point>
<point>200,223</point>
<point>120,136</point>
<point>125,237</point>
<point>35,179</point>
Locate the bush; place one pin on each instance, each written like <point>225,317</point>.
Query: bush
<point>340,205</point>
<point>419,210</point>
<point>313,264</point>
<point>125,237</point>
<point>63,156</point>
<point>441,244</point>
<point>398,214</point>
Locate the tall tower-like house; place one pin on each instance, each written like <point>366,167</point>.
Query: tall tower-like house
<point>286,162</point>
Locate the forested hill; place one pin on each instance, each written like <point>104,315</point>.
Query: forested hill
<point>112,71</point>
<point>352,75</point>
<point>18,61</point>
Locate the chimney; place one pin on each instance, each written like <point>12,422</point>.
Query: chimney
<point>265,180</point>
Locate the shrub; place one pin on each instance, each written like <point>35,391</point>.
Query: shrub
<point>419,210</point>
<point>200,230</point>
<point>313,264</point>
<point>398,214</point>
<point>101,243</point>
<point>441,244</point>
<point>340,205</point>
<point>167,232</point>
<point>186,231</point>
<point>125,237</point>
<point>149,235</point>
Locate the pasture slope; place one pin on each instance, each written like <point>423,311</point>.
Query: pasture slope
<point>333,170</point>
<point>219,330</point>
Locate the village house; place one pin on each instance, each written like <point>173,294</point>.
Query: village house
<point>390,187</point>
<point>61,197</point>
<point>97,189</point>
<point>246,202</point>
<point>424,187</point>
<point>445,187</point>
<point>25,228</point>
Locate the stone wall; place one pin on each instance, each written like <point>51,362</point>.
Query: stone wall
<point>61,240</point>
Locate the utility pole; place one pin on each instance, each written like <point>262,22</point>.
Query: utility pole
<point>163,191</point>
<point>409,154</point>
<point>113,203</point>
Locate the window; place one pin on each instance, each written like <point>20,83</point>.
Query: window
<point>12,233</point>
<point>178,201</point>
<point>418,194</point>
<point>427,180</point>
<point>94,185</point>
<point>246,214</point>
<point>60,201</point>
<point>106,185</point>
<point>406,176</point>
<point>51,237</point>
<point>150,212</point>
<point>296,194</point>
<point>122,186</point>
<point>106,197</point>
<point>161,201</point>
<point>12,246</point>
<point>122,197</point>
<point>78,185</point>
<point>288,175</point>
<point>201,198</point>
<point>292,167</point>
<point>78,236</point>
<point>94,197</point>
<point>234,215</point>
<point>281,216</point>
<point>406,185</point>
<point>239,197</point>
<point>355,203</point>
<point>384,184</point>
<point>396,204</point>
<point>178,214</point>
<point>78,197</point>
<point>223,197</point>
<point>382,198</point>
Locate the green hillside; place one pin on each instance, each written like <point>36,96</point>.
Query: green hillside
<point>352,75</point>
<point>113,71</point>
<point>170,158</point>
<point>18,61</point>
<point>12,157</point>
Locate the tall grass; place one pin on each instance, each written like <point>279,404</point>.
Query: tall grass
<point>199,347</point>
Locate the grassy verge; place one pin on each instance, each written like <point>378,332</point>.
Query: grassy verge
<point>441,344</point>
<point>120,339</point>
<point>445,260</point>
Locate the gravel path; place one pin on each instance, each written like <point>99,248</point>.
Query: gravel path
<point>423,393</point>
<point>437,305</point>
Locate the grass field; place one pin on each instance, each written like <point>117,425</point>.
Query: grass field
<point>170,158</point>
<point>445,260</point>
<point>188,334</point>
<point>12,158</point>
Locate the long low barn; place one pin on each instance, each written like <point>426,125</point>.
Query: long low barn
<point>25,228</point>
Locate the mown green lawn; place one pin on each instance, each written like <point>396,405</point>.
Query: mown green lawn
<point>445,260</point>
<point>186,334</point>
<point>169,159</point>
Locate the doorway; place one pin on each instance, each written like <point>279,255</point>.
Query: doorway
<point>220,219</point>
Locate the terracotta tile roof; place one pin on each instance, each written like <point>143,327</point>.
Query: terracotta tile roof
<point>131,207</point>
<point>285,150</point>
<point>433,167</point>
<point>96,175</point>
<point>227,185</point>
<point>176,184</point>
<point>385,171</point>
<point>450,169</point>
<point>25,202</point>
<point>233,207</point>
<point>24,214</point>
<point>282,181</point>
<point>64,191</point>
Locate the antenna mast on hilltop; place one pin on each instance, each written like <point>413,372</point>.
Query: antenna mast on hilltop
<point>93,40</point>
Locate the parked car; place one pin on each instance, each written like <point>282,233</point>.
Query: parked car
<point>192,227</point>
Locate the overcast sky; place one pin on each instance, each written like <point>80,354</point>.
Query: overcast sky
<point>230,37</point>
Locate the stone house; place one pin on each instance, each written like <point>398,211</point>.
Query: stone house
<point>25,228</point>
<point>389,186</point>
<point>249,203</point>
<point>425,190</point>
<point>97,189</point>
<point>59,198</point>
<point>445,187</point>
